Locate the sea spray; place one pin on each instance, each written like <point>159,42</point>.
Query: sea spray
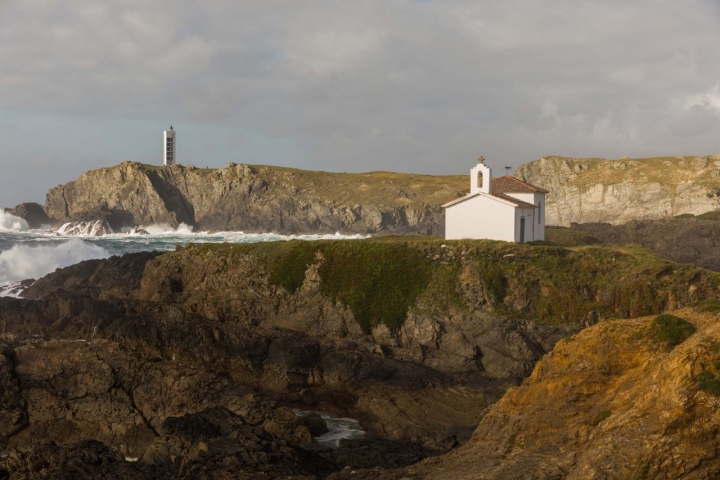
<point>35,253</point>
<point>81,228</point>
<point>24,261</point>
<point>13,223</point>
<point>165,229</point>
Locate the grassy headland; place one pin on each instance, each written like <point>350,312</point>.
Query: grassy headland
<point>381,279</point>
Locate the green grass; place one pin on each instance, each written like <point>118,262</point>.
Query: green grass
<point>600,417</point>
<point>289,271</point>
<point>672,330</point>
<point>663,170</point>
<point>644,470</point>
<point>710,383</point>
<point>380,279</point>
<point>567,237</point>
<point>711,305</point>
<point>709,216</point>
<point>493,280</point>
<point>378,282</point>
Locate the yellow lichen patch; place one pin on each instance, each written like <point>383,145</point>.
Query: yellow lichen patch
<point>613,402</point>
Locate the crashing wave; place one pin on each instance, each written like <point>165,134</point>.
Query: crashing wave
<point>13,289</point>
<point>11,222</point>
<point>92,228</point>
<point>24,261</point>
<point>137,231</point>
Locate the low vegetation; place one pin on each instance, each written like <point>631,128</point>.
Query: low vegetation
<point>377,282</point>
<point>672,330</point>
<point>709,382</point>
<point>664,170</point>
<point>381,279</point>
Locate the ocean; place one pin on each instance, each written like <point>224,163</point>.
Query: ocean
<point>26,253</point>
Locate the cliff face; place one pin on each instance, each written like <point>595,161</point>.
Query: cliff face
<point>591,190</point>
<point>32,213</point>
<point>613,401</point>
<point>685,239</point>
<point>257,199</point>
<point>189,360</point>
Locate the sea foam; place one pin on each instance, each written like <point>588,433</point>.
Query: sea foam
<point>11,222</point>
<point>23,261</point>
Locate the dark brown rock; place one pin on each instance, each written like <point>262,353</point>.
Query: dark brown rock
<point>685,239</point>
<point>191,360</point>
<point>32,213</point>
<point>314,423</point>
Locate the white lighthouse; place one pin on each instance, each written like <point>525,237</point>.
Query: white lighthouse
<point>169,147</point>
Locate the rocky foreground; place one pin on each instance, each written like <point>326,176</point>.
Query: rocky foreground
<point>631,399</point>
<point>188,363</point>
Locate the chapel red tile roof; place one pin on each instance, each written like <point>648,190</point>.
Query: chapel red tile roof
<point>501,186</point>
<point>509,184</point>
<point>517,202</point>
<point>501,196</point>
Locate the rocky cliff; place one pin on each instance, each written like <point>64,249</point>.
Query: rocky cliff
<point>591,190</point>
<point>256,199</point>
<point>32,213</point>
<point>189,360</point>
<point>685,239</point>
<point>623,399</point>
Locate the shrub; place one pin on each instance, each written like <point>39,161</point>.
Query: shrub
<point>377,281</point>
<point>289,271</point>
<point>644,470</point>
<point>709,383</point>
<point>493,280</point>
<point>600,417</point>
<point>672,330</point>
<point>711,305</point>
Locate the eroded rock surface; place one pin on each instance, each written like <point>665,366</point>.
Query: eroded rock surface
<point>190,361</point>
<point>593,190</point>
<point>256,199</point>
<point>611,401</point>
<point>685,239</point>
<point>32,213</point>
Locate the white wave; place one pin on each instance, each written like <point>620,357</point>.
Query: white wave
<point>81,228</point>
<point>12,289</point>
<point>165,229</point>
<point>23,261</point>
<point>11,222</point>
<point>338,428</point>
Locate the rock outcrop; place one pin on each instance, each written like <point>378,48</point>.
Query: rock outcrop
<point>685,239</point>
<point>90,228</point>
<point>610,402</point>
<point>189,361</point>
<point>256,199</point>
<point>32,213</point>
<point>593,190</point>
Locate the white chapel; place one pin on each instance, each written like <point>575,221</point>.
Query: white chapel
<point>503,208</point>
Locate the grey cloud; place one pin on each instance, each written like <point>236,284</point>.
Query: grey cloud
<point>424,87</point>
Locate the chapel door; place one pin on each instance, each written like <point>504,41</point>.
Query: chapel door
<point>522,230</point>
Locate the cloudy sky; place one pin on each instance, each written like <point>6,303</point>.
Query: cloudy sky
<point>405,85</point>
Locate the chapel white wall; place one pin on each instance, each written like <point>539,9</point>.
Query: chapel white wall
<point>480,217</point>
<point>486,178</point>
<point>538,228</point>
<point>529,215</point>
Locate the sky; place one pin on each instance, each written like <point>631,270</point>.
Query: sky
<point>350,86</point>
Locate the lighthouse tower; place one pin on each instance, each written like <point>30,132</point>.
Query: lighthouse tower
<point>169,147</point>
